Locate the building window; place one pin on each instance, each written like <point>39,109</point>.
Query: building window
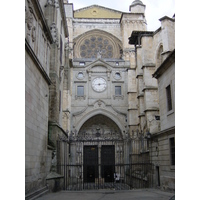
<point>118,91</point>
<point>117,75</point>
<point>172,150</point>
<point>81,63</point>
<point>80,91</point>
<point>169,98</point>
<point>80,75</point>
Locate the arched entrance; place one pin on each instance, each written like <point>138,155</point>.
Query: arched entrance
<point>99,149</point>
<point>99,159</point>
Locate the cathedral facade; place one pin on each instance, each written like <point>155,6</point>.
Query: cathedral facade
<point>101,79</point>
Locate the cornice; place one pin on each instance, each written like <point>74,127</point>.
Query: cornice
<point>166,131</point>
<point>148,65</point>
<point>139,76</point>
<point>149,88</point>
<point>142,115</point>
<point>140,95</point>
<point>80,81</point>
<point>132,109</point>
<point>168,18</point>
<point>151,109</point>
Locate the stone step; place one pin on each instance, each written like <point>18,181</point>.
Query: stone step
<point>37,193</point>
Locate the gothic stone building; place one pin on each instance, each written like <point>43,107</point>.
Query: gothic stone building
<point>105,79</point>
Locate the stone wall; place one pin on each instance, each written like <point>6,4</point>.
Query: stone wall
<point>36,126</point>
<point>45,61</point>
<point>167,117</point>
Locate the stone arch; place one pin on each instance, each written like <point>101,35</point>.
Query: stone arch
<point>102,112</point>
<point>101,124</point>
<point>97,44</point>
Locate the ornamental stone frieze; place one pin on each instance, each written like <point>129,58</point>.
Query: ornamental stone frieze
<point>133,22</point>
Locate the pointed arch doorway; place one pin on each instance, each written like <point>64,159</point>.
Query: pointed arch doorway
<point>100,134</point>
<point>99,149</point>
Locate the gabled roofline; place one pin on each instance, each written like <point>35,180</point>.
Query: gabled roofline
<point>97,6</point>
<point>100,62</point>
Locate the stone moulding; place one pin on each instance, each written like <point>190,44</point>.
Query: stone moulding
<point>132,109</point>
<point>37,62</point>
<point>140,95</point>
<point>80,112</point>
<point>119,112</point>
<point>148,65</point>
<point>80,81</point>
<point>151,109</point>
<point>118,97</point>
<point>149,88</point>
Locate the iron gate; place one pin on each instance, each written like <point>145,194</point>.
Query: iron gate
<point>101,164</point>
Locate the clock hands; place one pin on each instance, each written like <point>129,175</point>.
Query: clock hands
<point>100,84</point>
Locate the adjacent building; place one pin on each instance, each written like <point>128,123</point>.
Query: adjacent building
<point>46,66</point>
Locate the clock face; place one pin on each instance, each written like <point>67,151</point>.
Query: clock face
<point>99,84</point>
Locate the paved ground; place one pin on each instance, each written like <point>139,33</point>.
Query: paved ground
<point>139,194</point>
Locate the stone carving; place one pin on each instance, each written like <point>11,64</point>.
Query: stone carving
<point>69,49</point>
<point>54,33</point>
<point>53,162</point>
<point>29,19</point>
<point>33,34</point>
<point>52,3</point>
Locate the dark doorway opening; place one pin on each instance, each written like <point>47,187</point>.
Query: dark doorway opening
<point>108,162</point>
<point>158,175</point>
<point>90,161</point>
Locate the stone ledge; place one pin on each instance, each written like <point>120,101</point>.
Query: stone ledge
<point>148,65</point>
<point>37,193</point>
<point>149,88</point>
<point>140,95</point>
<point>132,109</point>
<point>151,109</point>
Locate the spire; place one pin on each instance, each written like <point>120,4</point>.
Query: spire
<point>136,2</point>
<point>137,7</point>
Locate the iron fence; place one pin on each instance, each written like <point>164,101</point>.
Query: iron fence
<point>129,176</point>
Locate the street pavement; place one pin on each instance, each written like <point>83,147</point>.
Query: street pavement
<point>137,194</point>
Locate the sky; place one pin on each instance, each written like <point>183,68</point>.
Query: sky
<point>155,9</point>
